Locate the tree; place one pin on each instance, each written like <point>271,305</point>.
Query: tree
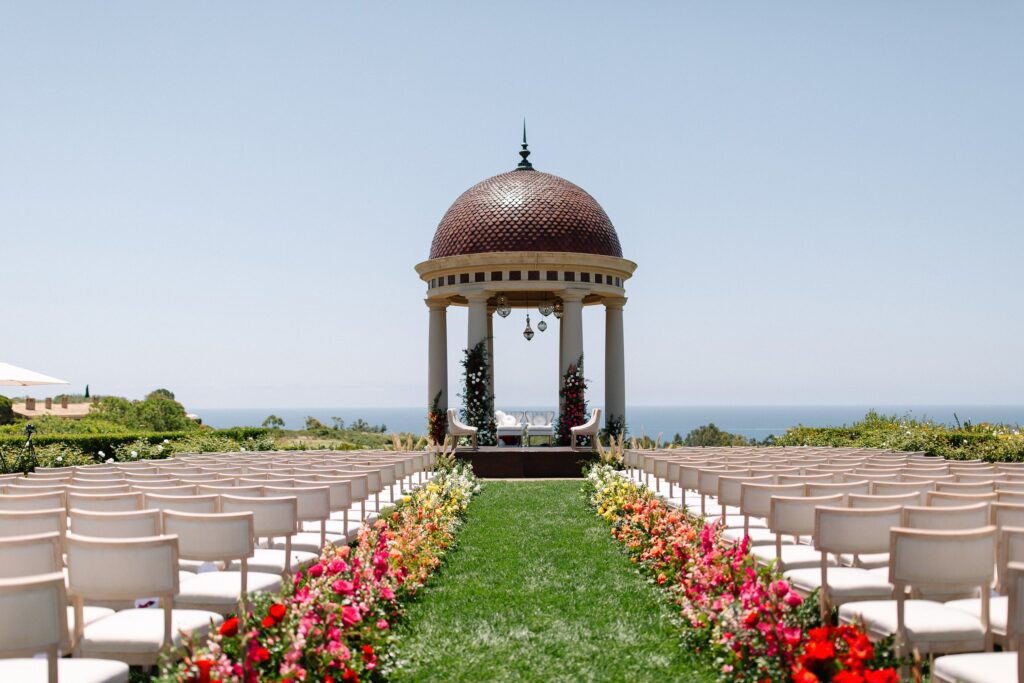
<point>315,425</point>
<point>6,411</point>
<point>710,435</point>
<point>87,391</point>
<point>273,422</point>
<point>161,393</point>
<point>339,423</point>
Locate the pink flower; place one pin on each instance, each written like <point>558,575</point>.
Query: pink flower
<point>342,587</point>
<point>793,599</point>
<point>382,624</point>
<point>350,616</point>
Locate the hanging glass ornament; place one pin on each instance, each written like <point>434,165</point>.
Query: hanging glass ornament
<point>546,307</point>
<point>542,326</point>
<point>501,306</point>
<point>528,333</point>
<point>558,309</point>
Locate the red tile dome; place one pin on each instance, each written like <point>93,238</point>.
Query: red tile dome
<point>525,210</point>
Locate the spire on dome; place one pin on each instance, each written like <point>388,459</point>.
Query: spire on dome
<point>524,165</point>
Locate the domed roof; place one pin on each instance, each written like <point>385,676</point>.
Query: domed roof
<point>525,210</point>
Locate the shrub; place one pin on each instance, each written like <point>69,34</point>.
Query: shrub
<point>6,411</point>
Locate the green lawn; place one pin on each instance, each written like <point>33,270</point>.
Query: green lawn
<point>539,591</point>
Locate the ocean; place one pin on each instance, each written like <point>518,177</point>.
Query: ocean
<point>751,421</point>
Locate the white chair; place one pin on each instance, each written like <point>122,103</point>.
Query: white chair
<point>457,428</point>
<point>991,667</point>
<point>589,428</point>
<point>222,538</point>
<point>540,425</point>
<point>795,516</point>
<point>958,560</point>
<point>129,569</point>
<point>272,518</point>
<point>34,620</point>
<point>509,425</point>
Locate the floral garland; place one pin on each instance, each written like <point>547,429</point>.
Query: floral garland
<point>333,623</point>
<point>574,404</point>
<point>437,421</point>
<point>478,408</point>
<point>745,615</point>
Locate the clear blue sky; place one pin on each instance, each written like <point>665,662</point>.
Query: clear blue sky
<point>227,199</point>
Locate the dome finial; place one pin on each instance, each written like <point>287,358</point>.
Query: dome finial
<point>525,165</point>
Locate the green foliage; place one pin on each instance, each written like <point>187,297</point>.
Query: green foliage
<point>572,395</point>
<point>315,425</point>
<point>997,443</point>
<point>437,421</point>
<point>6,411</point>
<point>160,393</point>
<point>711,435</point>
<point>156,413</point>
<point>614,427</point>
<point>478,404</point>
<point>91,444</point>
<point>14,458</point>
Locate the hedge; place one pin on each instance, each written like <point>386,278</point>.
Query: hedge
<point>92,443</point>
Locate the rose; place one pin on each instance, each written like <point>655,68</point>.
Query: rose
<point>229,628</point>
<point>277,612</point>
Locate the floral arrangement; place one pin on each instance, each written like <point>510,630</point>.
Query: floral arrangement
<point>333,623</point>
<point>478,404</point>
<point>744,615</point>
<point>437,421</point>
<point>572,395</point>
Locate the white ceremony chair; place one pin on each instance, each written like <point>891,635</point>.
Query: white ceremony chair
<point>991,667</point>
<point>457,428</point>
<point>114,570</point>
<point>218,538</point>
<point>847,532</point>
<point>105,502</point>
<point>589,428</point>
<point>539,424</point>
<point>276,517</point>
<point>28,522</point>
<point>947,561</point>
<point>34,621</point>
<point>33,501</point>
<point>795,517</point>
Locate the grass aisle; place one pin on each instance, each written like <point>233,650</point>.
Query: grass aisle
<point>539,591</point>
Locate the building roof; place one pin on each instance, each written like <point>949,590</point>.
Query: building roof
<point>525,210</point>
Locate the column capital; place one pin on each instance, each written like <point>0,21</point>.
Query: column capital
<point>614,302</point>
<point>477,295</point>
<point>437,304</point>
<point>573,294</point>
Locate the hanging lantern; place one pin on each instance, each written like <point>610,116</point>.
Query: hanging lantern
<point>528,333</point>
<point>542,326</point>
<point>501,306</point>
<point>558,309</point>
<point>545,307</point>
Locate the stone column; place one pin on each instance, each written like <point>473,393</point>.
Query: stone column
<point>572,332</point>
<point>477,327</point>
<point>490,352</point>
<point>614,361</point>
<point>437,353</point>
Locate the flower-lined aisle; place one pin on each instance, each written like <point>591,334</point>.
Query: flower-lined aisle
<point>746,616</point>
<point>333,623</point>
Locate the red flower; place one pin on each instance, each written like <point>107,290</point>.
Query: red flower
<point>260,654</point>
<point>350,676</point>
<point>277,612</point>
<point>229,628</point>
<point>881,676</point>
<point>847,676</point>
<point>203,666</point>
<point>802,675</point>
<point>268,621</point>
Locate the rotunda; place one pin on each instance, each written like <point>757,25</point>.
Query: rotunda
<point>525,239</point>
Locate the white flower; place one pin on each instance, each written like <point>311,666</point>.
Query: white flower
<point>60,458</point>
<point>110,460</point>
<point>101,454</point>
<point>167,441</point>
<point>135,454</point>
<point>243,449</point>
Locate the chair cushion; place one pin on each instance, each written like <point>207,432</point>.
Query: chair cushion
<point>271,561</point>
<point>793,556</point>
<point>998,611</point>
<point>758,536</point>
<point>309,541</point>
<point>90,613</point>
<point>929,624</point>
<point>70,670</point>
<point>141,631</point>
<point>221,591</point>
<point>844,583</point>
<point>977,667</point>
<point>866,560</point>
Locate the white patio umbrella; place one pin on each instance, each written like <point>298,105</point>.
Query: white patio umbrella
<point>13,376</point>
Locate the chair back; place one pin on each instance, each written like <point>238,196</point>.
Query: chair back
<point>855,531</point>
<point>314,502</point>
<point>122,568</point>
<point>277,516</point>
<point>948,499</point>
<point>826,489</point>
<point>796,515</point>
<point>35,618</point>
<point>856,500</point>
<point>948,560</point>
<point>756,499</point>
<point>105,502</point>
<point>195,504</point>
<point>212,537</point>
<point>133,524</point>
<point>30,522</point>
<point>33,501</point>
<point>29,556</point>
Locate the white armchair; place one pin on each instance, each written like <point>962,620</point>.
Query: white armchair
<point>457,428</point>
<point>509,424</point>
<point>589,428</point>
<point>539,424</point>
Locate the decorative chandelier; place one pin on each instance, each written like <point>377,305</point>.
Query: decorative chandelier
<point>528,333</point>
<point>545,307</point>
<point>501,306</point>
<point>558,308</point>
<point>542,326</point>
